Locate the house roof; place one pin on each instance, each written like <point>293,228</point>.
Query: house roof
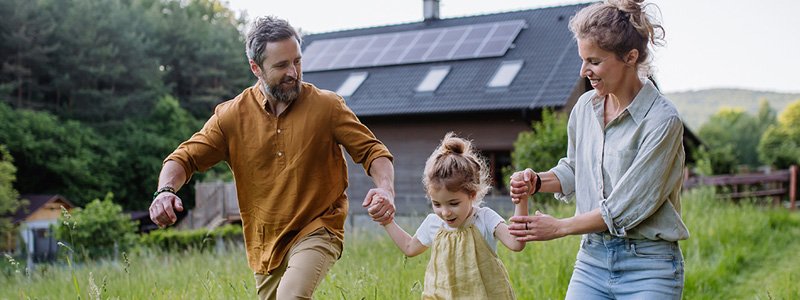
<point>548,75</point>
<point>34,203</point>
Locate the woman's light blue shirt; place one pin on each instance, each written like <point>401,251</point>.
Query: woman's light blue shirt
<point>632,169</point>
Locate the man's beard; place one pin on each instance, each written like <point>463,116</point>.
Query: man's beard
<point>284,94</point>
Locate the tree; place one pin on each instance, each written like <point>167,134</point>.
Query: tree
<point>541,148</point>
<point>9,198</point>
<point>142,144</point>
<point>766,116</point>
<point>24,52</point>
<point>57,156</point>
<point>106,68</point>
<point>735,129</point>
<point>97,230</point>
<point>780,144</point>
<point>717,160</point>
<point>202,53</point>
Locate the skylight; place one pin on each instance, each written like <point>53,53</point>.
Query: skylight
<point>505,73</point>
<point>435,77</point>
<point>351,84</point>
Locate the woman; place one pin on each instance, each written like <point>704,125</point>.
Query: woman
<point>623,166</point>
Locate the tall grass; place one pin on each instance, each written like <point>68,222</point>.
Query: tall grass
<point>736,251</point>
<point>733,247</point>
<point>373,268</point>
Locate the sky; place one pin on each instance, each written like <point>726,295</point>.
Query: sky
<point>742,44</point>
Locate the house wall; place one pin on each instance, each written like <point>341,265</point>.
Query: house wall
<point>39,239</point>
<point>412,140</point>
<point>48,211</point>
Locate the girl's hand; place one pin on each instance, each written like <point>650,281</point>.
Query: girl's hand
<point>521,185</point>
<point>380,205</point>
<point>374,210</point>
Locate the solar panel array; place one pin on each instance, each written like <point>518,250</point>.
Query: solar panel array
<point>440,44</point>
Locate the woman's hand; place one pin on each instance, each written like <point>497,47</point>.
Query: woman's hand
<point>538,227</point>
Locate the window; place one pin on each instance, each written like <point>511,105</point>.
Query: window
<point>435,77</point>
<point>351,84</point>
<point>505,73</point>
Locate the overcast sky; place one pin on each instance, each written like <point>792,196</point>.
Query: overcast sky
<point>710,43</point>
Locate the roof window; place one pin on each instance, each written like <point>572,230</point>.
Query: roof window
<point>435,77</point>
<point>505,73</point>
<point>351,84</point>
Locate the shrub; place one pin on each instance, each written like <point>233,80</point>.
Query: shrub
<point>98,230</point>
<point>200,239</point>
<point>541,148</point>
<point>780,144</point>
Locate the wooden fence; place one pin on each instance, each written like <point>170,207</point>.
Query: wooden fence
<point>215,205</point>
<point>775,185</point>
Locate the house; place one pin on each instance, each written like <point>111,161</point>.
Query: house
<point>35,226</point>
<point>485,77</point>
<point>143,221</point>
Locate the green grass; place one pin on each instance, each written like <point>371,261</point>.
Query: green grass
<point>736,251</point>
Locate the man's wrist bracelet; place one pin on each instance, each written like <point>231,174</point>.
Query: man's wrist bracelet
<point>538,184</point>
<point>166,189</point>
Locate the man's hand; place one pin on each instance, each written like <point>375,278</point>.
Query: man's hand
<point>380,205</point>
<point>162,210</point>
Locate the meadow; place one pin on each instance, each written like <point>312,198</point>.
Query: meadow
<point>736,251</point>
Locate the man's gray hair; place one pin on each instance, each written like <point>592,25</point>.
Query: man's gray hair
<point>264,30</point>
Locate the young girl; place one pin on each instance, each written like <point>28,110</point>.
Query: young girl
<point>464,262</point>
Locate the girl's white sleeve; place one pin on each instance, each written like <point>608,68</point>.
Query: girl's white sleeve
<point>427,230</point>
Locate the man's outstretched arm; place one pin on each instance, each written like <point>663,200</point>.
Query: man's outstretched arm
<point>166,202</point>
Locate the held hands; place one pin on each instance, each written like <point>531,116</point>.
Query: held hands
<point>539,227</point>
<point>523,184</point>
<point>380,205</point>
<point>162,210</point>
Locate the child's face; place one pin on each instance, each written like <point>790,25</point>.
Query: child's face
<point>453,207</point>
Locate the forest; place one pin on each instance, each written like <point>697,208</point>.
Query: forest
<point>94,94</point>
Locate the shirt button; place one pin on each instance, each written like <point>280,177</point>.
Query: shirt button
<point>280,154</point>
<point>279,131</point>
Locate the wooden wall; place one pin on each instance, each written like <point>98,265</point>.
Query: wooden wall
<point>412,140</point>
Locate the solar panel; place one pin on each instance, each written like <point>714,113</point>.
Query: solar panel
<point>408,47</point>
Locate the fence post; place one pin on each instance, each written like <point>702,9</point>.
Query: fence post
<point>685,174</point>
<point>792,187</point>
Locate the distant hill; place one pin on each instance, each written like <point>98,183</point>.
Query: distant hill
<point>696,107</point>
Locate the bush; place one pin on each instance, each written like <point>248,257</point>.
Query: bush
<point>98,230</point>
<point>541,148</point>
<point>9,197</point>
<point>200,239</point>
<point>780,144</point>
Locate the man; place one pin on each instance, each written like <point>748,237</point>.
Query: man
<point>281,139</point>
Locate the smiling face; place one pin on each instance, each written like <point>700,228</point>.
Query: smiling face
<point>280,72</point>
<point>452,207</point>
<point>607,73</point>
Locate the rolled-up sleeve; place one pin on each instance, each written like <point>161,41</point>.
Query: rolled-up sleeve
<point>357,139</point>
<point>565,169</point>
<point>658,160</point>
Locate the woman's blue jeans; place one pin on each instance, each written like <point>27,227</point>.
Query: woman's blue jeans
<point>610,267</point>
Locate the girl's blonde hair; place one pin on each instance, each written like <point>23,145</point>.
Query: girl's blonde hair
<point>620,26</point>
<point>457,166</point>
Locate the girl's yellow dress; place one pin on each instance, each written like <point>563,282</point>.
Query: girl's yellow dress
<point>462,266</point>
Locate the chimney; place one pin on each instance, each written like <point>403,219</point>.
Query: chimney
<point>430,9</point>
